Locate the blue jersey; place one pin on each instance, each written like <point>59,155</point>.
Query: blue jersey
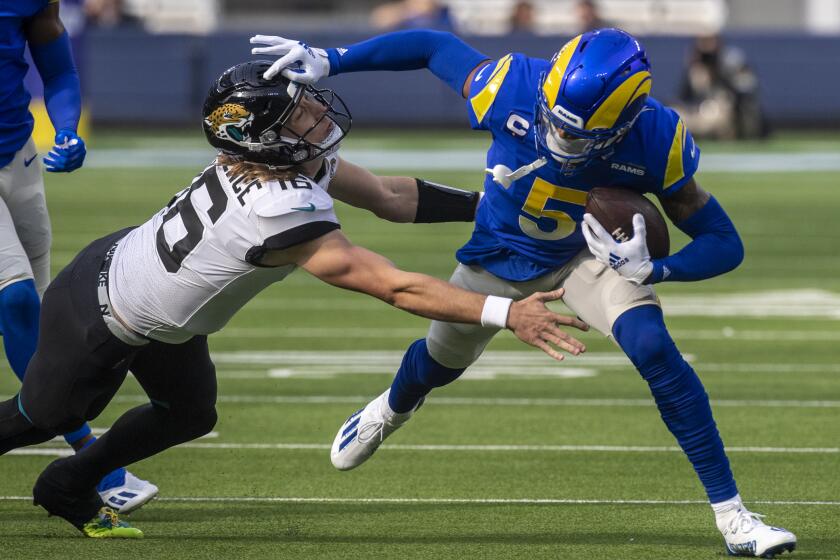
<point>533,226</point>
<point>16,122</point>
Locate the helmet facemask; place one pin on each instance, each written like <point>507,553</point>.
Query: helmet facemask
<point>263,121</point>
<point>590,97</point>
<point>572,146</point>
<point>302,146</point>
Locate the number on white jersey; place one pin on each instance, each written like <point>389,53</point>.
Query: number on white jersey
<point>182,206</point>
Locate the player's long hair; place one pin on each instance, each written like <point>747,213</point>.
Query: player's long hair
<point>252,171</point>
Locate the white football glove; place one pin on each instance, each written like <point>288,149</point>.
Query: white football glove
<point>631,259</point>
<point>298,61</point>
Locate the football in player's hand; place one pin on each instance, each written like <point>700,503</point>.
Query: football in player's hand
<point>614,208</point>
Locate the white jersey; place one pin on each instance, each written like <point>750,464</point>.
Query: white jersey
<point>191,267</point>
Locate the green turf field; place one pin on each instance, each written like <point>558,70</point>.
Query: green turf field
<point>521,458</point>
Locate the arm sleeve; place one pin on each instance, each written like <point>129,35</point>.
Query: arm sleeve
<point>444,54</point>
<point>715,248</point>
<point>62,91</point>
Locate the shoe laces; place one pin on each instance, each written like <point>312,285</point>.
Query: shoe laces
<point>744,522</point>
<point>371,430</point>
<point>110,519</point>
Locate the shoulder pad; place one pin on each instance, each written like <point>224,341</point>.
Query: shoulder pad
<point>486,86</point>
<point>299,194</point>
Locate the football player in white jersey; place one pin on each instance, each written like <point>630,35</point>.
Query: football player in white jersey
<point>146,298</point>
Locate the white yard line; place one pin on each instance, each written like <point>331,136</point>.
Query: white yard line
<point>445,501</point>
<point>407,333</point>
<point>520,364</point>
<point>467,448</point>
<point>470,401</point>
<point>771,303</point>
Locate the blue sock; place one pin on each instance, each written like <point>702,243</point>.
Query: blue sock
<point>79,434</point>
<point>20,308</point>
<point>419,373</point>
<point>19,311</point>
<point>679,395</point>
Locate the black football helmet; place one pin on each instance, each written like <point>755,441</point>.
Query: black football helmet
<point>245,115</point>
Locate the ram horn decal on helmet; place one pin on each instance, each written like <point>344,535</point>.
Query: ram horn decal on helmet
<point>591,96</point>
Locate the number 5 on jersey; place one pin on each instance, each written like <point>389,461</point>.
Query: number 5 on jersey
<point>541,192</point>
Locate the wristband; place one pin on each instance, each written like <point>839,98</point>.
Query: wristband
<point>495,312</point>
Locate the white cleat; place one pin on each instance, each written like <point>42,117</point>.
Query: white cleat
<point>132,494</point>
<point>746,535</point>
<point>364,431</point>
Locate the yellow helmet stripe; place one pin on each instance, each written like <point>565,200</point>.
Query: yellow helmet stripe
<point>483,100</point>
<point>674,170</point>
<point>636,85</point>
<point>551,86</point>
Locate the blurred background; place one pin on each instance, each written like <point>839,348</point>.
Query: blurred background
<point>735,69</point>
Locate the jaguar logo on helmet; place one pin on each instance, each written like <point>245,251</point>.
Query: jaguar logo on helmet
<point>231,122</point>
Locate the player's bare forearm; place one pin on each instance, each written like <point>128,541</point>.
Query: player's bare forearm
<point>390,198</point>
<point>342,264</point>
<point>426,296</point>
<point>403,199</point>
<point>686,202</point>
<point>333,259</point>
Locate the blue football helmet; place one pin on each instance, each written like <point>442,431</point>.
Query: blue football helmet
<point>596,88</point>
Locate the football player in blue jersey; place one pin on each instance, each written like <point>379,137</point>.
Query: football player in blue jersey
<point>25,233</point>
<point>560,128</point>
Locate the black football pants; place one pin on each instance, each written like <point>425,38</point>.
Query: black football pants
<point>78,367</point>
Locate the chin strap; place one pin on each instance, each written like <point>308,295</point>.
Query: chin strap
<point>503,175</point>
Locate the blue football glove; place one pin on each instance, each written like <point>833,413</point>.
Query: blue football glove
<point>68,153</point>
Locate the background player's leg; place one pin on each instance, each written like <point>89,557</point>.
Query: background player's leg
<point>19,301</point>
<point>180,380</point>
<point>25,238</point>
<point>27,205</point>
<point>19,312</point>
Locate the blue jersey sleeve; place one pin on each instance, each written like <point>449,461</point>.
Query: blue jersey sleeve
<point>62,90</point>
<point>444,54</point>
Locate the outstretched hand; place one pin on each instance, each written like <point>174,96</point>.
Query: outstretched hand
<point>298,61</point>
<point>535,324</point>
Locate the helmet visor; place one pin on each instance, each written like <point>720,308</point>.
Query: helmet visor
<point>561,140</point>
